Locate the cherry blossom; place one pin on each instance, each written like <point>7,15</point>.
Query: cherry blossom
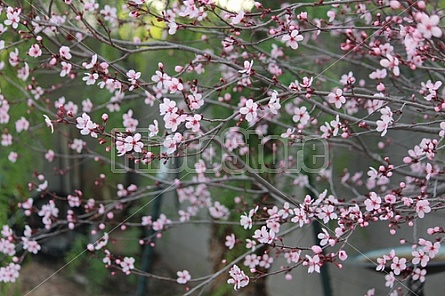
<point>22,125</point>
<point>419,275</point>
<point>249,110</point>
<point>193,123</point>
<point>292,39</point>
<point>392,63</point>
<point>238,278</point>
<point>153,129</point>
<point>398,265</point>
<point>237,105</point>
<point>13,17</point>
<point>49,123</point>
<point>90,78</point>
<point>64,52</point>
<point>133,143</point>
<point>183,277</point>
<point>264,236</point>
<point>390,279</point>
<point>337,98</point>
<point>313,263</point>
<point>247,68</point>
<point>35,51</point>
<point>10,273</point>
<point>195,100</point>
<point>301,115</point>
<point>77,145</point>
<point>274,103</point>
<point>171,142</point>
<point>127,264</point>
<point>419,257</point>
<point>66,69</point>
<point>86,126</point>
<point>422,208</point>
<point>230,241</point>
<point>428,26</point>
<point>31,245</point>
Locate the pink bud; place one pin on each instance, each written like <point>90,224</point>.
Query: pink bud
<point>316,249</point>
<point>342,255</point>
<point>407,160</point>
<point>421,5</point>
<point>394,4</point>
<point>381,87</point>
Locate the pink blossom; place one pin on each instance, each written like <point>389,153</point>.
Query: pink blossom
<point>230,241</point>
<point>378,74</point>
<point>49,123</point>
<point>86,126</point>
<point>87,105</point>
<point>6,140</point>
<point>183,277</point>
<point>77,145</point>
<point>390,279</point>
<point>133,143</point>
<point>428,26</point>
<point>66,69</point>
<point>35,51</point>
<point>90,78</point>
<point>13,17</point>
<point>237,18</point>
<point>167,108</point>
<point>7,247</point>
<point>264,236</point>
<point>249,110</point>
<point>218,211</point>
<point>13,156</point>
<point>313,263</point>
<point>91,64</point>
<point>419,275</point>
<point>10,273</point>
<point>398,265</point>
<point>30,245</point>
<point>153,129</point>
<point>422,208</point>
<point>247,68</point>
<point>127,265</point>
<point>337,98</point>
<point>14,58</point>
<point>238,278</point>
<point>193,122</point>
<point>392,63</point>
<point>274,103</point>
<point>419,257</point>
<point>325,238</point>
<point>292,39</point>
<point>21,125</point>
<point>171,142</point>
<point>373,202</point>
<point>64,52</point>
<point>129,122</point>
<point>195,101</point>
<point>342,255</point>
<point>301,115</point>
